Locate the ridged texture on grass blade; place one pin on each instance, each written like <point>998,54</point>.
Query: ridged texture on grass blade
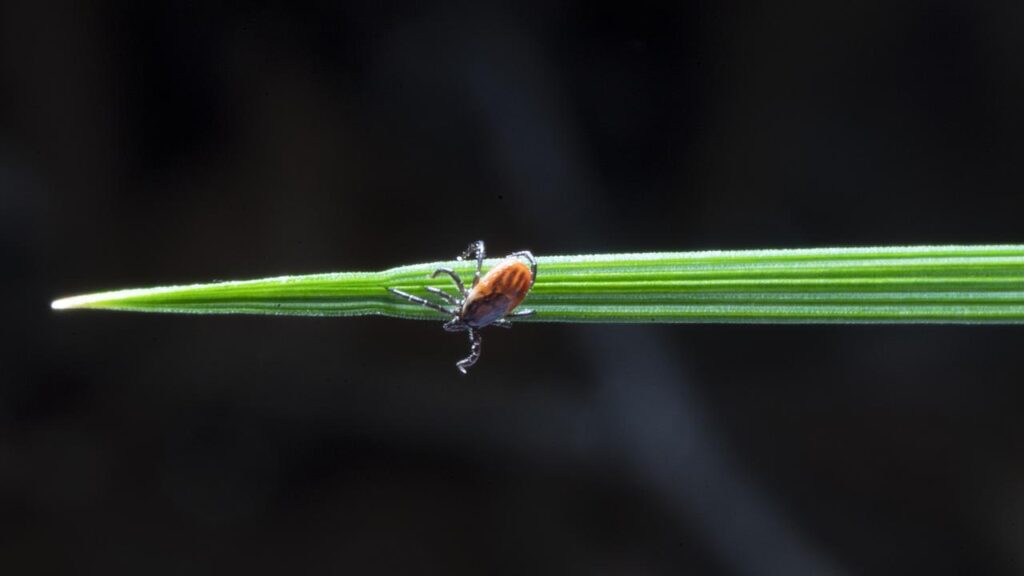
<point>939,284</point>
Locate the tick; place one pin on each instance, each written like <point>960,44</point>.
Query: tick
<point>490,300</point>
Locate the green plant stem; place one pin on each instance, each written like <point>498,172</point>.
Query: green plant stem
<point>922,284</point>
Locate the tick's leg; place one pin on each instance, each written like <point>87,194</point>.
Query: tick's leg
<point>455,325</point>
<point>448,297</point>
<point>502,323</point>
<point>475,249</point>
<point>455,278</point>
<point>474,352</point>
<point>420,301</point>
<point>533,264</point>
<point>520,314</point>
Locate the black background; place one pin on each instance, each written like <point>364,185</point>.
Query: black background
<point>165,142</point>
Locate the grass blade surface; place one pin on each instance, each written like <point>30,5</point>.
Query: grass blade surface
<point>920,284</point>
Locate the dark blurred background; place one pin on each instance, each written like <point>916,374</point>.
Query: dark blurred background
<point>171,142</point>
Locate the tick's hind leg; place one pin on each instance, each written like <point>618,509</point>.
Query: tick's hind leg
<point>521,313</point>
<point>474,352</point>
<point>502,323</point>
<point>533,264</point>
<point>475,249</point>
<point>420,301</point>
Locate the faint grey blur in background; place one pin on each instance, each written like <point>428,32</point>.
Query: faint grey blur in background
<point>172,142</point>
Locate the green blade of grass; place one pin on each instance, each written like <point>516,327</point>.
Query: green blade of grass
<point>919,284</point>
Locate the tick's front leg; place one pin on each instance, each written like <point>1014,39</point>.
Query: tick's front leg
<point>474,352</point>
<point>455,278</point>
<point>475,249</point>
<point>451,299</point>
<point>420,301</point>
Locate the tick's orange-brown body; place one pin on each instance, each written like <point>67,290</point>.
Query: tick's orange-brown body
<point>498,293</point>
